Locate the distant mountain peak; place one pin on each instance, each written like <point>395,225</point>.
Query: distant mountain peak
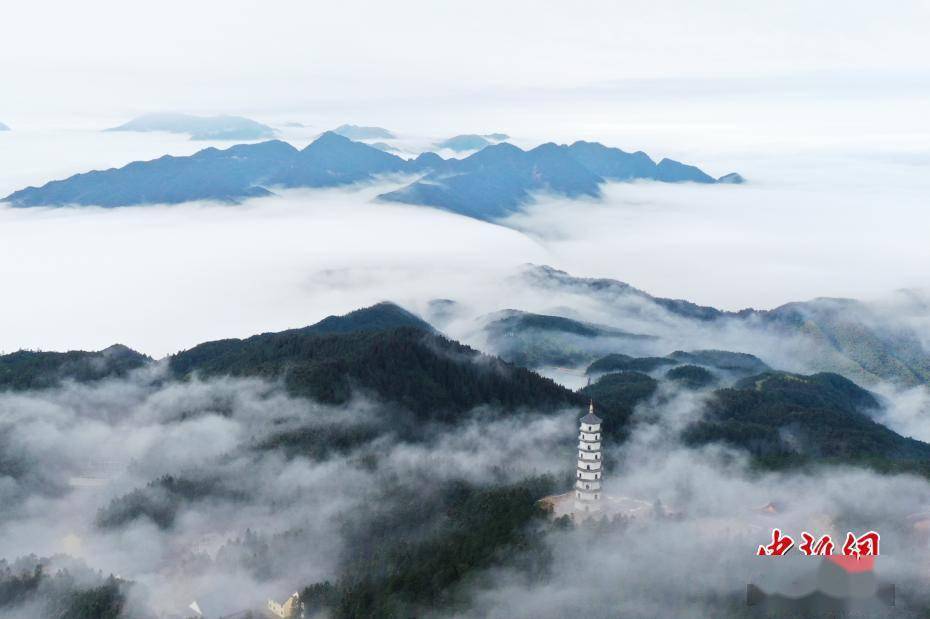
<point>731,179</point>
<point>119,349</point>
<point>495,151</point>
<point>330,140</point>
<point>356,132</point>
<point>221,127</point>
<point>378,317</point>
<point>329,137</point>
<point>471,141</point>
<point>549,277</point>
<point>465,142</point>
<point>546,147</point>
<point>429,158</point>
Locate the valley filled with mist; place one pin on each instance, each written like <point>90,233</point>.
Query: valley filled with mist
<point>379,467</point>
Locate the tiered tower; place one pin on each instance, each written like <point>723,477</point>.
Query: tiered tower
<point>590,470</point>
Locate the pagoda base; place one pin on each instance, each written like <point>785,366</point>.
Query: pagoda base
<point>559,505</point>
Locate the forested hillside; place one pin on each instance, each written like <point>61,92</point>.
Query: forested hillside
<point>427,374</point>
<point>28,369</point>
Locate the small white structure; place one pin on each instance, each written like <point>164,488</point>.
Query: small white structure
<point>285,610</point>
<point>589,474</point>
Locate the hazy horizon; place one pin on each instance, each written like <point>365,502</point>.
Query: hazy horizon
<point>838,222</point>
<point>822,108</point>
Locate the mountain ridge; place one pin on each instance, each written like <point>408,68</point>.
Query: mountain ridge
<point>390,353</point>
<point>489,184</point>
<point>843,335</point>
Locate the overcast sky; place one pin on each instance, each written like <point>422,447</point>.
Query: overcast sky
<point>672,75</point>
<point>107,57</point>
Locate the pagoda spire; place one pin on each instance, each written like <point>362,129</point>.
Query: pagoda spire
<point>590,467</point>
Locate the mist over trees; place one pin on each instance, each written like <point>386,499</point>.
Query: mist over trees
<point>382,469</point>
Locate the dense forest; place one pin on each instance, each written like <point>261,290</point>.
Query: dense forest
<point>434,378</point>
<point>402,562</point>
<point>27,369</point>
<point>62,594</point>
<point>731,363</point>
<point>616,395</point>
<point>618,362</point>
<point>160,500</point>
<point>780,417</point>
<point>691,376</point>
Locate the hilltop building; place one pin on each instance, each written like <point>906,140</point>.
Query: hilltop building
<point>587,498</point>
<point>590,466</point>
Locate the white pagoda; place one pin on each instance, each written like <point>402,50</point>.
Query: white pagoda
<point>589,473</point>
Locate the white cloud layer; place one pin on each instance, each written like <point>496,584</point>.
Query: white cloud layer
<point>163,278</point>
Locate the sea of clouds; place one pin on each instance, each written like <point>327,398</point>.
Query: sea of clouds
<point>821,216</point>
<point>160,278</point>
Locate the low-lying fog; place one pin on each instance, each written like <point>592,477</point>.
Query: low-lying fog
<point>83,445</point>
